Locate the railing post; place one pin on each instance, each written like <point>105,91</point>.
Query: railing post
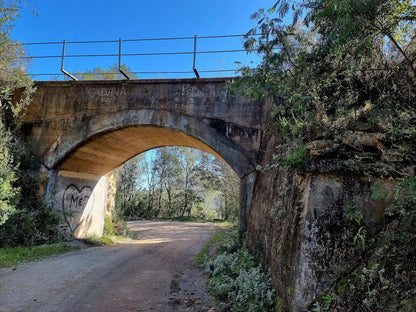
<point>193,67</point>
<point>62,63</point>
<point>119,61</point>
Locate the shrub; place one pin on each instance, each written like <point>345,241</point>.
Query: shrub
<point>115,226</point>
<point>236,280</point>
<point>229,241</point>
<point>34,222</point>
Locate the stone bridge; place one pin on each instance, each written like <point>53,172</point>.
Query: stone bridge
<point>82,130</point>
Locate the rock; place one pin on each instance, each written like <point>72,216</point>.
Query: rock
<point>322,147</point>
<point>362,140</point>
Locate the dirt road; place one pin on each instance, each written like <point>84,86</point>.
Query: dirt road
<point>155,272</point>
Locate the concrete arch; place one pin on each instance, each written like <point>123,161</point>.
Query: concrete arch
<point>83,129</point>
<point>94,144</point>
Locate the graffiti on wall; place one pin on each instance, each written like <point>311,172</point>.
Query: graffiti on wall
<point>73,204</point>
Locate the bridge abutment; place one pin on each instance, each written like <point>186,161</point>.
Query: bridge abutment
<point>81,198</point>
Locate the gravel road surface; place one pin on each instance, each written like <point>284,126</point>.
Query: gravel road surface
<point>155,272</point>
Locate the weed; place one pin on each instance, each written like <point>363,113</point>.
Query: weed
<point>203,255</point>
<point>98,241</point>
<point>293,158</point>
<point>359,238</point>
<point>354,214</point>
<point>234,277</point>
<point>117,227</point>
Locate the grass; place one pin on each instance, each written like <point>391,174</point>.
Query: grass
<point>10,257</point>
<point>203,255</point>
<point>104,240</point>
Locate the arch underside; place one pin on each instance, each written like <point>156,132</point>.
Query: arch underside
<point>104,142</point>
<point>105,152</point>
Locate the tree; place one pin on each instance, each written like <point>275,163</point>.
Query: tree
<point>176,181</point>
<point>24,218</point>
<point>347,65</point>
<point>229,185</point>
<point>168,171</point>
<point>136,189</point>
<point>112,73</point>
<point>127,188</point>
<point>12,77</point>
<point>192,163</point>
<point>356,26</point>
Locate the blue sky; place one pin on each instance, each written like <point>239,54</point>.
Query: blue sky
<point>84,20</point>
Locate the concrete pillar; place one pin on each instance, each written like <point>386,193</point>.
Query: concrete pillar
<point>81,197</point>
<point>246,194</point>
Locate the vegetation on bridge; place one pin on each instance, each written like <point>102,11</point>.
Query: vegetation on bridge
<point>341,75</point>
<point>347,66</point>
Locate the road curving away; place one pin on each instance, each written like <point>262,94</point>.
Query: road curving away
<point>155,272</point>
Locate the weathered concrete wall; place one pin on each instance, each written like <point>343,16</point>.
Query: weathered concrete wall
<point>246,196</point>
<point>298,226</point>
<point>83,200</point>
<point>73,122</point>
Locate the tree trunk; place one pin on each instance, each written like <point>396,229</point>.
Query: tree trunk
<point>226,208</point>
<point>169,199</point>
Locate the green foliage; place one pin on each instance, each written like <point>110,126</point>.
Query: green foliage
<point>106,74</point>
<point>8,191</point>
<point>24,218</point>
<point>234,277</point>
<point>94,240</point>
<point>327,300</point>
<point>177,182</point>
<point>349,65</point>
<point>243,286</point>
<point>108,226</point>
<point>34,222</point>
<point>230,241</point>
<point>10,257</point>
<point>33,227</point>
<point>116,227</point>
<point>360,238</point>
<point>12,77</point>
<point>204,255</point>
<point>105,239</point>
<point>354,214</point>
<point>293,157</point>
<point>358,23</point>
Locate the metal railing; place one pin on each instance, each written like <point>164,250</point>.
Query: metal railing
<point>137,53</point>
